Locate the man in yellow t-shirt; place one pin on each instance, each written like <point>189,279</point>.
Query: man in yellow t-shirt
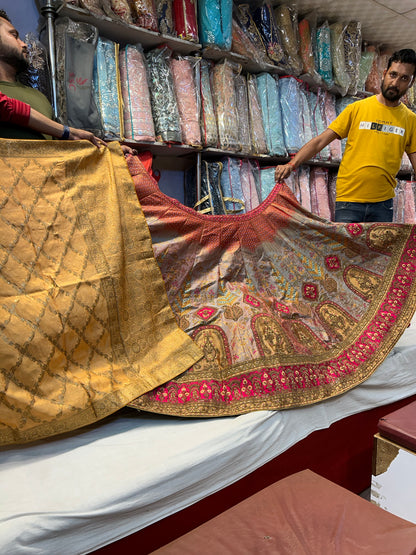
<point>379,129</point>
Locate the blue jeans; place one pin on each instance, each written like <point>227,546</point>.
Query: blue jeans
<point>355,212</point>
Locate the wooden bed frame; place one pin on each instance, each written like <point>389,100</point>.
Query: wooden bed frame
<point>341,453</point>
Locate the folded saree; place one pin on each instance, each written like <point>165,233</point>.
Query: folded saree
<point>85,322</point>
<point>289,309</point>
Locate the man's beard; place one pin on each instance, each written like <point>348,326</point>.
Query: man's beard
<point>390,93</point>
<point>13,58</point>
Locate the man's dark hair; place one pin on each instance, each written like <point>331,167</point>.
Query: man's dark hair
<point>4,15</point>
<point>404,56</point>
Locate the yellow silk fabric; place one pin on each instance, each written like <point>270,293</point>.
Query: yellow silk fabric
<point>85,325</point>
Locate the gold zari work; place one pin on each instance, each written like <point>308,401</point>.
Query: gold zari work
<point>85,326</point>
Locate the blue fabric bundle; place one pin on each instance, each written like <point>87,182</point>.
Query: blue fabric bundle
<point>232,190</point>
<point>268,181</point>
<point>291,106</point>
<point>215,23</point>
<point>107,87</point>
<point>267,86</point>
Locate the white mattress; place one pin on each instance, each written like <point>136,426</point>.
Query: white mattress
<point>77,493</point>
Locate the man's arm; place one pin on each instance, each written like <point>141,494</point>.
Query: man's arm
<point>307,152</point>
<point>412,158</point>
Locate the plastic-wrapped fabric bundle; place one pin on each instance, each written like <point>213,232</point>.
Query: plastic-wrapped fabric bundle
<point>184,14</point>
<point>137,110</point>
<point>293,184</point>
<point>332,193</point>
<point>244,136</point>
<point>324,58</point>
<point>93,6</point>
<point>340,75</point>
<point>215,23</point>
<point>122,10</point>
<point>352,51</point>
<point>258,138</point>
<point>328,110</point>
<point>318,124</point>
<point>291,106</point>
<point>223,92</point>
<point>306,50</point>
<point>249,179</point>
<point>165,21</point>
<point>38,74</point>
<point>406,164</point>
<point>75,51</point>
<point>162,96</point>
<point>267,182</point>
<point>242,45</point>
<point>267,86</point>
<point>145,14</point>
<point>319,192</point>
<point>246,22</point>
<point>232,191</point>
<point>366,63</point>
<point>404,209</point>
<point>211,201</point>
<point>286,20</point>
<point>374,78</point>
<point>107,90</point>
<point>306,116</point>
<point>264,19</point>
<point>304,187</point>
<point>208,120</point>
<point>187,98</point>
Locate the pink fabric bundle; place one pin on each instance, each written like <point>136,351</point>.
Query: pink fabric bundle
<point>138,119</point>
<point>330,115</point>
<point>409,203</point>
<point>319,193</point>
<point>304,187</point>
<point>187,99</point>
<point>249,183</point>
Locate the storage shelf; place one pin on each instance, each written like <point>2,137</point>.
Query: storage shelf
<point>124,33</point>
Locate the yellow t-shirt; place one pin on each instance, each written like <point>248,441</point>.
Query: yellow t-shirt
<point>377,138</point>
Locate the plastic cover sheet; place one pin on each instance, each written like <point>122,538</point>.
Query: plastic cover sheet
<point>306,49</point>
<point>366,63</point>
<point>267,86</point>
<point>184,13</point>
<point>107,90</point>
<point>340,74</point>
<point>291,106</point>
<point>263,17</point>
<point>319,192</point>
<point>249,178</point>
<point>306,115</point>
<point>162,96</point>
<point>242,45</point>
<point>404,207</point>
<point>122,10</point>
<point>327,103</point>
<point>211,201</point>
<point>184,69</point>
<point>286,18</point>
<point>231,186</point>
<point>244,136</point>
<point>332,193</point>
<point>208,120</point>
<point>258,138</point>
<point>137,110</point>
<point>225,103</point>
<point>374,78</point>
<point>165,21</point>
<point>75,51</point>
<point>318,124</point>
<point>245,20</point>
<point>145,14</point>
<point>38,74</point>
<point>352,50</point>
<point>267,182</point>
<point>324,58</point>
<point>215,23</point>
<point>304,187</point>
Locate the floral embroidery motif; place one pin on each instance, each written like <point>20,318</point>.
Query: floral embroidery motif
<point>354,229</point>
<point>310,291</point>
<point>252,300</point>
<point>206,312</point>
<point>332,262</point>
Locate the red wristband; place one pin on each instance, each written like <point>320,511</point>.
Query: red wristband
<point>291,165</point>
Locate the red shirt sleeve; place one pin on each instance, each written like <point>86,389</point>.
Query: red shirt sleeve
<point>14,111</point>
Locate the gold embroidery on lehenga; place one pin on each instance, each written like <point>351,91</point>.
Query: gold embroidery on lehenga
<point>362,282</point>
<point>384,237</point>
<point>336,320</point>
<point>212,341</point>
<point>270,336</point>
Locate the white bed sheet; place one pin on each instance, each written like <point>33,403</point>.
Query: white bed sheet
<point>77,493</point>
